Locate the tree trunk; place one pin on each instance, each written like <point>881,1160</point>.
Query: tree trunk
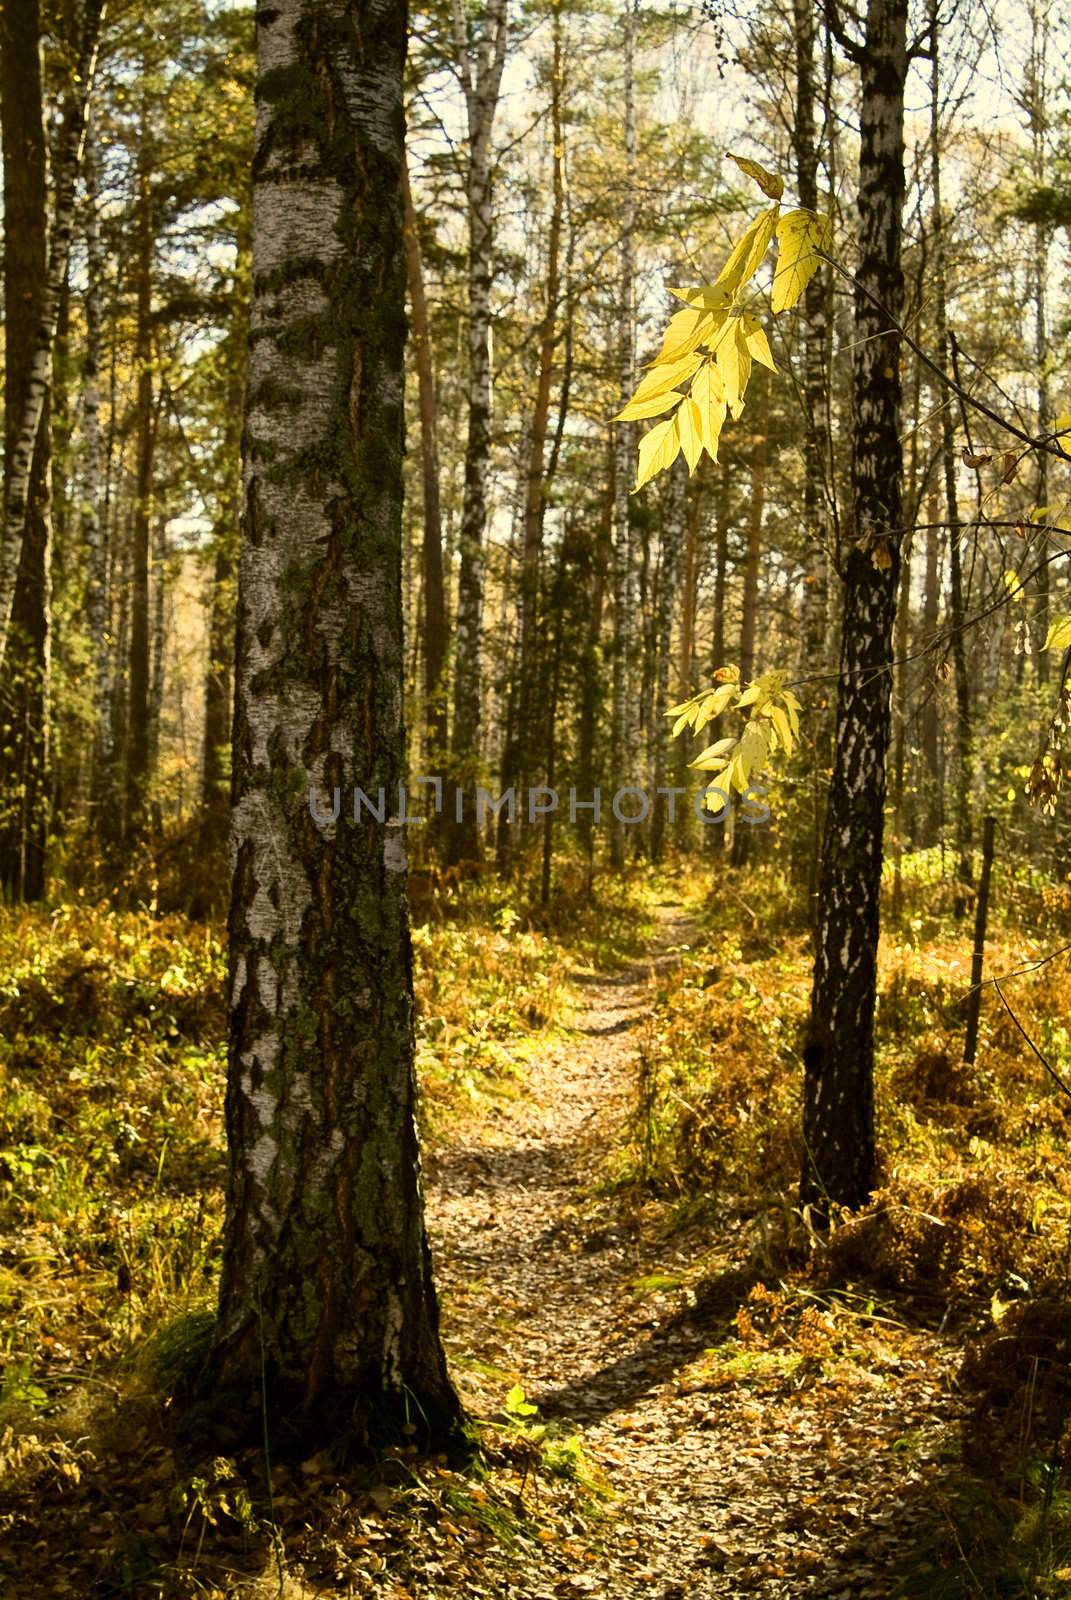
<point>481,74</point>
<point>750,607</point>
<point>591,675</point>
<point>326,1299</point>
<point>137,740</point>
<point>815,336</point>
<point>102,803</point>
<point>159,647</point>
<point>674,515</point>
<point>684,829</point>
<point>624,582</point>
<point>434,635</point>
<point>931,776</point>
<point>25,584</point>
<point>964,743</point>
<point>519,759</point>
<point>38,337</point>
<point>838,1118</point>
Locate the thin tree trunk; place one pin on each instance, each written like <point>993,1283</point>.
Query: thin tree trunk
<point>434,633</point>
<point>930,709</point>
<point>519,760</point>
<point>685,823</point>
<point>591,676</point>
<point>137,740</point>
<point>964,742</point>
<point>25,589</point>
<point>326,1299</point>
<point>22,438</point>
<point>159,644</point>
<point>481,75</point>
<point>674,517</point>
<point>624,580</point>
<point>742,842</point>
<point>838,1119</point>
<point>102,807</point>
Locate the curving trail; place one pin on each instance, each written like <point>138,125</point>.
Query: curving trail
<point>815,1485</point>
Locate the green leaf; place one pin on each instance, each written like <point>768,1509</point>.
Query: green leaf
<point>517,1405</point>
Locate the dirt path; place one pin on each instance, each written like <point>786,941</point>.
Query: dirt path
<point>809,1487</point>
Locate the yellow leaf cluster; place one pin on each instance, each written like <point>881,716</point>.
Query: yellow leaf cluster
<point>712,345</point>
<point>773,722</point>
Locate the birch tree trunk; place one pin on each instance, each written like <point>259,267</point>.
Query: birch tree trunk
<point>27,585</point>
<point>326,1296</point>
<point>964,739</point>
<point>22,442</point>
<point>815,335</point>
<point>434,590</point>
<point>519,761</point>
<point>624,576</point>
<point>838,1118</point>
<point>480,65</point>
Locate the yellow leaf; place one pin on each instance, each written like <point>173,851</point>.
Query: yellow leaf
<point>708,297</point>
<point>636,410</point>
<point>734,359</point>
<point>659,448</point>
<point>770,184</point>
<point>757,342</point>
<point>708,392</point>
<point>800,235</point>
<point>1059,634</point>
<point>686,330</point>
<point>720,749</point>
<point>1013,586</point>
<point>689,425</point>
<point>779,718</point>
<point>752,752</point>
<point>748,252</point>
<point>715,704</point>
<point>661,379</point>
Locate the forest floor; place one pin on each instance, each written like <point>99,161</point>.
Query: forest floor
<point>729,1472</point>
<point>675,1387</point>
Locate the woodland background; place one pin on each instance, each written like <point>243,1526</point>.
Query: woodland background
<point>566,167</point>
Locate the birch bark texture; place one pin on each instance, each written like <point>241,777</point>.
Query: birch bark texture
<point>480,62</point>
<point>838,1115</point>
<point>326,1284</point>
